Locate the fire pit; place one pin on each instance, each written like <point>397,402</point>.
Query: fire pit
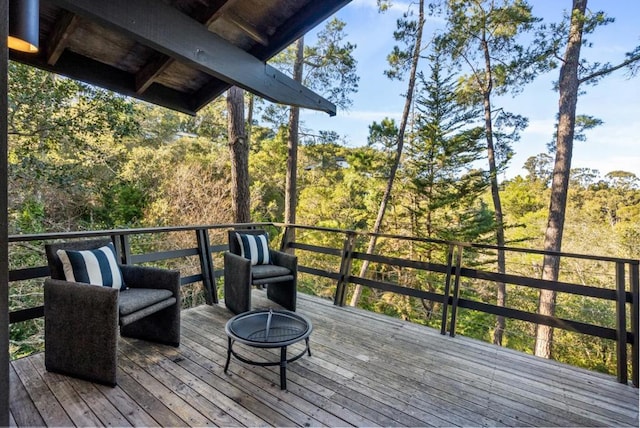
<point>268,329</point>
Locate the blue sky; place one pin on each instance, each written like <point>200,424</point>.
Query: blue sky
<point>616,100</point>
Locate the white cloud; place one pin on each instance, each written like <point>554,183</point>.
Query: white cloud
<point>542,128</point>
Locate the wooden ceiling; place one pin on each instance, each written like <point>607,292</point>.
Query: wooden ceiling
<point>180,54</point>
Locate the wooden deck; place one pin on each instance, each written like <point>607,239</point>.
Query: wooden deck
<point>365,370</point>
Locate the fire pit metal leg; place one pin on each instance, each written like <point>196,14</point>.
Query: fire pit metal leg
<point>226,366</point>
<point>283,367</point>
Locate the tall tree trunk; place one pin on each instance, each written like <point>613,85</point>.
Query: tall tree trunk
<point>501,292</point>
<point>250,109</point>
<point>399,146</point>
<point>568,88</point>
<point>291,191</point>
<point>239,151</point>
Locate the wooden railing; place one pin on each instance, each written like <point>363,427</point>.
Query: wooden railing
<point>624,289</point>
<point>121,238</point>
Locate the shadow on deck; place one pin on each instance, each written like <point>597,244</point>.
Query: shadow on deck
<point>365,370</point>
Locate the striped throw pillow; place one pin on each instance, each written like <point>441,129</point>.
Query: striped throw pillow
<point>254,248</point>
<point>95,267</point>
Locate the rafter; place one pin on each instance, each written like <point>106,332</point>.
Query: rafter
<point>152,69</point>
<point>245,26</point>
<point>176,35</point>
<point>64,27</point>
<point>160,62</point>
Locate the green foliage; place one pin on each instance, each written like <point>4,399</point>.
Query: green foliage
<point>496,26</point>
<point>400,57</point>
<point>583,123</point>
<point>539,168</point>
<point>329,67</point>
<point>66,140</point>
<point>521,196</point>
<point>122,205</point>
<point>267,169</point>
<point>333,189</point>
<point>602,217</point>
<point>443,181</point>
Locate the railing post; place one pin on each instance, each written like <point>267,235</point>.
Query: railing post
<point>206,266</point>
<point>125,248</point>
<point>447,290</point>
<point>345,269</point>
<point>634,278</point>
<point>621,323</point>
<point>289,235</point>
<point>456,293</point>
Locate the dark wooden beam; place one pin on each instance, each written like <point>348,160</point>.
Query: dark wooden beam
<point>303,21</point>
<point>4,221</point>
<point>211,11</point>
<point>160,62</point>
<point>172,33</point>
<point>96,73</point>
<point>246,27</point>
<point>152,69</point>
<point>208,93</point>
<point>293,29</point>
<point>64,27</point>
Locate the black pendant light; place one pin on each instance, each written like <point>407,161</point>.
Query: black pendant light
<point>24,25</point>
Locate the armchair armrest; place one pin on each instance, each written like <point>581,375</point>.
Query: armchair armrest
<point>151,277</point>
<point>81,316</point>
<point>237,268</point>
<point>71,301</point>
<point>236,260</point>
<point>280,258</point>
<point>237,283</point>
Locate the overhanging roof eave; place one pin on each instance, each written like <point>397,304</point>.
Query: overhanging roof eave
<point>172,33</point>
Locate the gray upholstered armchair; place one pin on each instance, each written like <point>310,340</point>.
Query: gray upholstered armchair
<point>81,320</point>
<point>277,271</point>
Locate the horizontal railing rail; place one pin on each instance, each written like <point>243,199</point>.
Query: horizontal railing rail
<point>121,239</point>
<point>624,291</point>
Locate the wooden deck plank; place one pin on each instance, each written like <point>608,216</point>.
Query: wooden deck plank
<point>149,404</point>
<point>22,409</point>
<point>12,420</point>
<point>157,389</point>
<point>365,370</point>
<point>270,375</point>
<point>47,406</point>
<point>473,407</point>
<point>346,416</point>
<point>530,389</point>
<point>253,379</point>
<point>238,402</point>
<point>181,388</point>
<point>80,413</point>
<point>106,412</point>
<point>228,412</point>
<point>131,410</point>
<point>349,393</point>
<point>406,380</point>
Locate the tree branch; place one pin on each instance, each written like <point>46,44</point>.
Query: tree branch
<point>608,70</point>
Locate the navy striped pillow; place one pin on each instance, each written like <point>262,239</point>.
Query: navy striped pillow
<point>95,267</point>
<point>254,248</point>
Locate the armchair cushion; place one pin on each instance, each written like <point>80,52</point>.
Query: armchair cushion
<point>95,267</point>
<point>269,271</point>
<point>135,299</point>
<point>254,247</point>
